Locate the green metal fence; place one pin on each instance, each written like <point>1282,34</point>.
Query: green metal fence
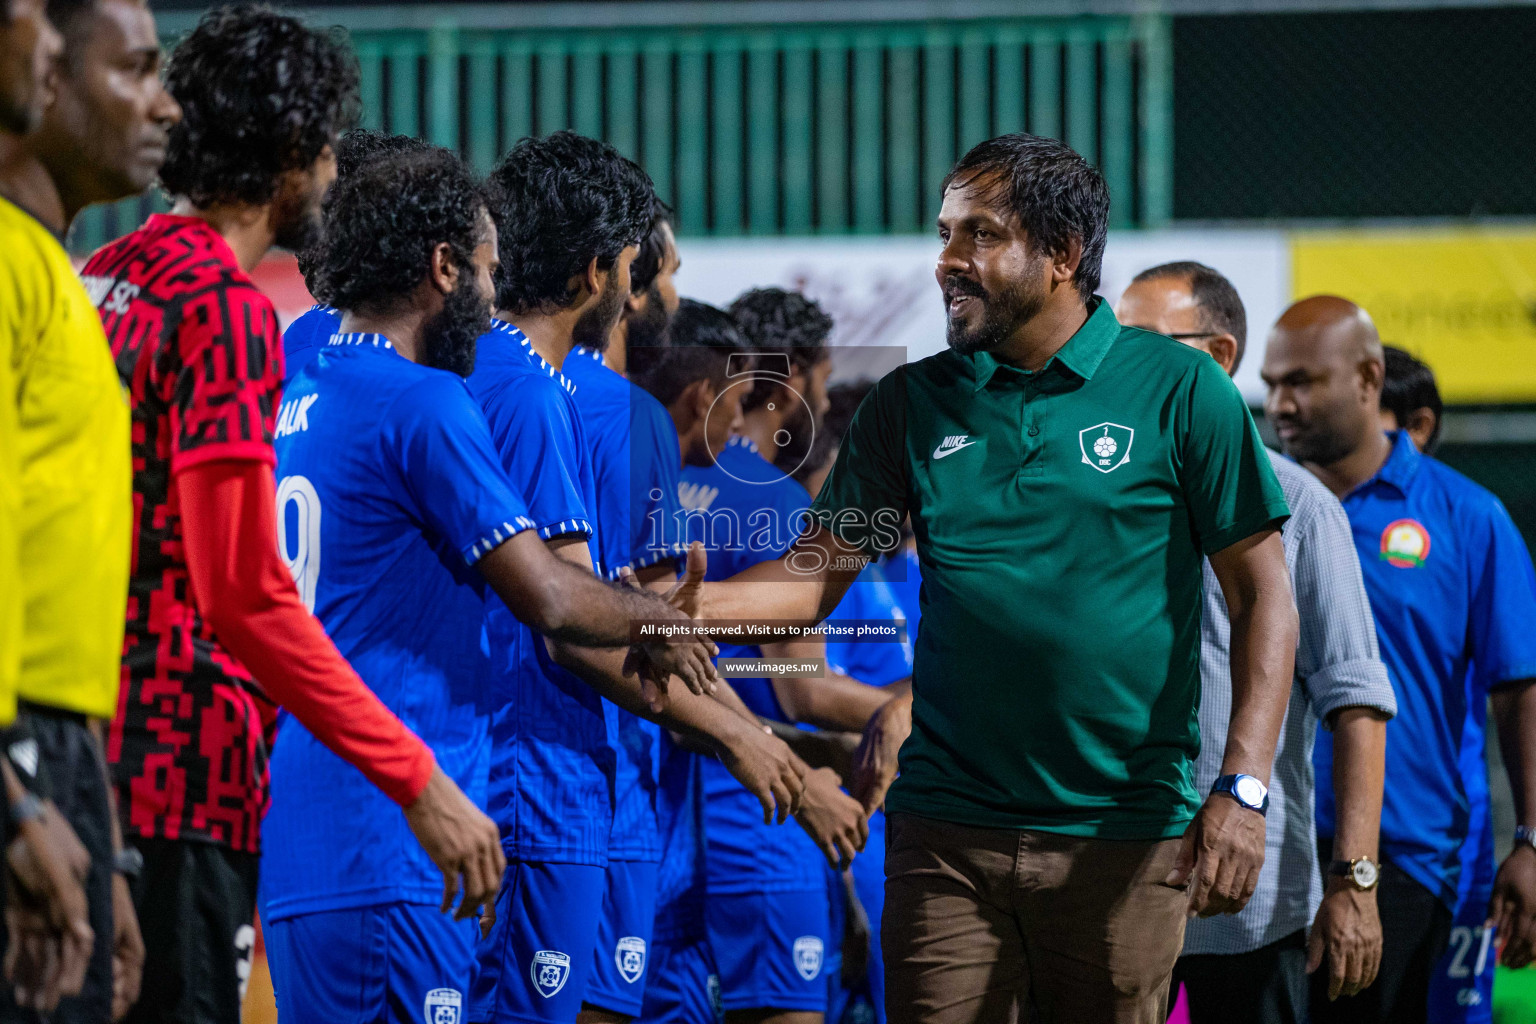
<point>787,130</point>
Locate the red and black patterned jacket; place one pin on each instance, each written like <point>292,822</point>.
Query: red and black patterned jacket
<point>198,348</point>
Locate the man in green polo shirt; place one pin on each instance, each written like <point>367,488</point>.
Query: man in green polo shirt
<point>1064,477</point>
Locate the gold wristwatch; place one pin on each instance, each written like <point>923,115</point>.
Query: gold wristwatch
<point>1362,872</point>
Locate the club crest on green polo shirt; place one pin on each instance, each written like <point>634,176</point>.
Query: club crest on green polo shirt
<point>1106,446</point>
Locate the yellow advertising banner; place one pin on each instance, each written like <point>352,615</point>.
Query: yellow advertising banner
<point>1463,300</point>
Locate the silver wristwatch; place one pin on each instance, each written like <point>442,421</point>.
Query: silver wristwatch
<point>1525,835</point>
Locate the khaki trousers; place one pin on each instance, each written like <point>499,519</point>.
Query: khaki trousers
<point>996,925</point>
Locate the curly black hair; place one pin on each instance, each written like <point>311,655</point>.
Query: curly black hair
<point>362,146</point>
<point>383,221</point>
<point>775,320</point>
<point>653,250</point>
<point>356,149</point>
<point>559,203</point>
<point>260,94</point>
<point>1056,195</point>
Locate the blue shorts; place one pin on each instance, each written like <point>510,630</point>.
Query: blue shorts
<point>771,949</point>
<point>681,985</point>
<point>623,937</point>
<point>1461,988</point>
<point>398,962</point>
<point>535,964</point>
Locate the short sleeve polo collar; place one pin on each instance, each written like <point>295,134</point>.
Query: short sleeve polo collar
<point>1402,464</point>
<point>1081,355</point>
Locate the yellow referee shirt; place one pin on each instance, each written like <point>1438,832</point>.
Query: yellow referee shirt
<point>70,422</point>
<point>10,506</point>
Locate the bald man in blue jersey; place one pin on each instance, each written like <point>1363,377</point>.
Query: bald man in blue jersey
<point>1453,594</point>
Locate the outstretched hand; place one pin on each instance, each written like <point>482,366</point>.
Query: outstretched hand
<point>689,659</point>
<point>687,594</point>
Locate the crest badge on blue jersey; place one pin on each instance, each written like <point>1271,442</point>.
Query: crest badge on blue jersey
<point>808,950</point>
<point>549,972</point>
<point>629,957</point>
<point>444,1006</point>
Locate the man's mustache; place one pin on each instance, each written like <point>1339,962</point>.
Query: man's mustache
<point>963,286</point>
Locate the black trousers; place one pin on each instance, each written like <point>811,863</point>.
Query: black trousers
<point>197,904</point>
<point>1265,986</point>
<point>1415,928</point>
<point>67,753</point>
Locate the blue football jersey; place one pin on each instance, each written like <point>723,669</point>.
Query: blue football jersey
<point>875,662</point>
<point>306,336</point>
<point>1453,594</point>
<point>746,511</point>
<point>680,880</point>
<point>1461,983</point>
<point>552,735</point>
<point>637,465</point>
<point>389,492</point>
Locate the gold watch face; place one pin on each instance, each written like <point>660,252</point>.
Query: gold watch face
<point>1364,873</point>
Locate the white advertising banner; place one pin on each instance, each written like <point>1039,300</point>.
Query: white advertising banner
<point>882,291</point>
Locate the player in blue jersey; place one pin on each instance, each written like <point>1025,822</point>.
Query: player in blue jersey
<point>573,213</point>
<point>1453,594</point>
<point>767,912</point>
<point>1461,991</point>
<point>691,378</point>
<point>311,331</point>
<point>636,468</point>
<point>396,515</point>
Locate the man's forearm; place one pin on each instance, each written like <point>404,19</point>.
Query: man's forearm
<point>551,587</point>
<point>725,695</point>
<point>601,614</point>
<point>1359,767</point>
<point>700,719</point>
<point>1514,711</point>
<point>1263,660</point>
<point>833,701</point>
<point>829,701</point>
<point>802,587</point>
<point>1257,589</point>
<point>819,749</point>
<point>767,593</point>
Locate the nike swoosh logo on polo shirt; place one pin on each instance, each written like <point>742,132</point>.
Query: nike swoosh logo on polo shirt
<point>947,448</point>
